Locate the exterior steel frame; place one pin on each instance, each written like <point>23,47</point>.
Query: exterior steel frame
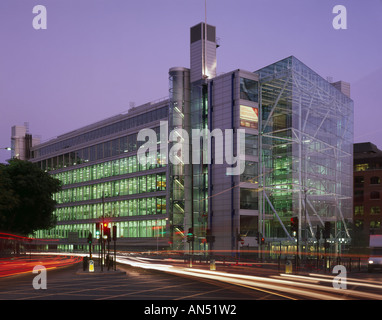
<point>318,137</point>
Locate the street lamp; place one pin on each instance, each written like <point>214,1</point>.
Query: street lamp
<point>7,148</point>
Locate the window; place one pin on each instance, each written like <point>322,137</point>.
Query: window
<point>358,210</point>
<point>142,228</point>
<point>116,167</point>
<point>375,180</point>
<point>375,210</point>
<point>375,224</point>
<point>116,188</point>
<point>132,166</point>
<point>248,226</point>
<point>150,206</point>
<point>161,205</point>
<point>115,147</point>
<point>249,89</point>
<point>161,182</point>
<point>251,145</point>
<point>123,145</point>
<point>142,206</point>
<point>151,183</point>
<point>250,172</point>
<point>361,167</point>
<point>358,182</point>
<point>133,207</point>
<point>248,199</point>
<point>249,117</point>
<point>374,195</point>
<point>107,169</point>
<point>133,232</point>
<point>85,154</point>
<point>142,184</point>
<point>123,166</point>
<point>123,208</point>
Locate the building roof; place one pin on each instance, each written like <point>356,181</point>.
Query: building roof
<point>366,150</point>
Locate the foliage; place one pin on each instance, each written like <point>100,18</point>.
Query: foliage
<point>26,197</point>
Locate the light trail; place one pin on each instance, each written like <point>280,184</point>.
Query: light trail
<point>23,265</point>
<point>251,282</point>
<point>289,286</point>
<point>285,285</point>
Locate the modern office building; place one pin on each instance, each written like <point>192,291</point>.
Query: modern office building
<point>237,156</point>
<point>367,192</point>
<point>104,182</point>
<point>307,152</point>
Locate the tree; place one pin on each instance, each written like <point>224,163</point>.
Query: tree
<point>26,197</point>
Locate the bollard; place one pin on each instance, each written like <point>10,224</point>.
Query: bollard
<point>91,266</point>
<point>212,265</point>
<point>84,263</point>
<point>288,266</point>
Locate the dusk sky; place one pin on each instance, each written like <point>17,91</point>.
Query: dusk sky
<point>98,56</point>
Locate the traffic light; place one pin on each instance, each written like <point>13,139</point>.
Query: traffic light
<point>259,238</point>
<point>97,230</point>
<point>294,224</point>
<point>114,233</point>
<point>190,235</point>
<point>318,233</point>
<point>90,238</point>
<point>327,230</point>
<point>106,231</point>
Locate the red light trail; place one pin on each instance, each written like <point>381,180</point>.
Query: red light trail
<point>9,236</point>
<point>14,266</point>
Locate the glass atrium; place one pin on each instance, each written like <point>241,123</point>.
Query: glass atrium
<point>306,143</point>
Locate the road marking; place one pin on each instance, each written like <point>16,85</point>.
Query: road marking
<point>266,291</point>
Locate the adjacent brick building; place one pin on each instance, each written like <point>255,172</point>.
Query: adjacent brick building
<point>367,192</point>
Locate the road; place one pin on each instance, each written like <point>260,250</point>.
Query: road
<point>135,284</point>
<point>145,279</point>
<point>25,264</point>
<point>354,286</point>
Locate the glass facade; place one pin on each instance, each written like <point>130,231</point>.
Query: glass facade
<point>102,132</point>
<point>104,181</point>
<point>198,219</point>
<point>179,180</point>
<point>298,163</point>
<point>306,152</point>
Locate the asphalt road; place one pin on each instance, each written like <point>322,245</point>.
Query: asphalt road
<point>71,283</point>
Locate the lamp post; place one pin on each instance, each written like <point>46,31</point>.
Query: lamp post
<point>7,148</point>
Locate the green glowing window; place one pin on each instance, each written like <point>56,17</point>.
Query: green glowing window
<point>358,210</point>
<point>375,210</point>
<point>362,167</point>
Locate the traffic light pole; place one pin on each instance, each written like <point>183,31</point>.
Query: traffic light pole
<point>90,250</point>
<point>102,228</point>
<point>100,251</point>
<point>115,246</point>
<point>101,247</point>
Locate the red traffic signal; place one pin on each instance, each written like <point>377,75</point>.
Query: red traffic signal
<point>294,224</point>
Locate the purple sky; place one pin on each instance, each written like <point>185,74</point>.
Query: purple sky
<point>97,56</point>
